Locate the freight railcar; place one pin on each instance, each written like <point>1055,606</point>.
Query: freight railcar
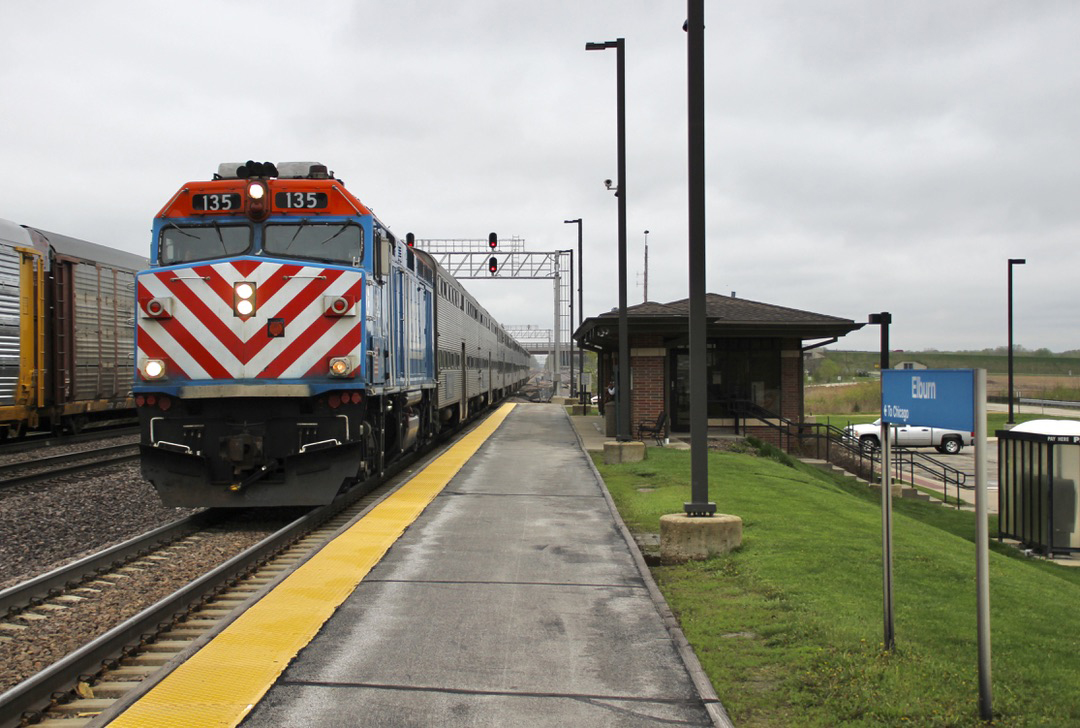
<point>289,345</point>
<point>67,309</point>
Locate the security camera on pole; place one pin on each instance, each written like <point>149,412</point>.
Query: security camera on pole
<point>624,449</point>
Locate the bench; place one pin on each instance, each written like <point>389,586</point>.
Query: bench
<point>653,430</point>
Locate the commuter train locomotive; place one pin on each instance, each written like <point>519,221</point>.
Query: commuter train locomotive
<point>67,308</point>
<point>288,345</point>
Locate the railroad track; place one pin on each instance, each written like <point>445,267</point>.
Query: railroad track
<point>32,471</point>
<point>37,441</point>
<point>77,688</point>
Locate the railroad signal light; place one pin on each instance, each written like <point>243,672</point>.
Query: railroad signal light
<point>493,240</point>
<point>493,264</point>
<point>410,240</point>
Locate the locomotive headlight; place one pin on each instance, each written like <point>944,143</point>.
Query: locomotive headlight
<point>153,369</point>
<point>257,202</point>
<point>244,298</point>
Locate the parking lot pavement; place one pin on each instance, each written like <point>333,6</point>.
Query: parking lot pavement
<point>964,461</point>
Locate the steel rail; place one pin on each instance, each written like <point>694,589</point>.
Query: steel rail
<point>35,441</point>
<point>131,449</point>
<point>41,587</point>
<point>36,694</point>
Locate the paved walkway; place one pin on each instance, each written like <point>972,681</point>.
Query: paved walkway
<point>515,599</point>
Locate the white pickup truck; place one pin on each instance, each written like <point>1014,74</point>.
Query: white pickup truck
<point>946,441</point>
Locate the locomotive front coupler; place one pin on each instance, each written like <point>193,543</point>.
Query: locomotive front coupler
<point>254,477</point>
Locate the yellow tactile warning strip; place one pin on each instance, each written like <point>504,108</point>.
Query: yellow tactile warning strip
<point>220,683</point>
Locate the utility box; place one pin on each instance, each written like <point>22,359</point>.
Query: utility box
<point>1039,485</point>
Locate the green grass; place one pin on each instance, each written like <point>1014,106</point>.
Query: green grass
<point>849,362</point>
<point>843,421</point>
<point>861,398</point>
<point>789,627</point>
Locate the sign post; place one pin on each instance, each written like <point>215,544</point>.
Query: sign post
<point>982,550</point>
<point>954,399</point>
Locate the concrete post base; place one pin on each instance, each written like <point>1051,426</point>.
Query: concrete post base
<point>623,452</point>
<point>580,409</point>
<point>685,538</point>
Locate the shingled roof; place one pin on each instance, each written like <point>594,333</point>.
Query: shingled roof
<point>725,316</point>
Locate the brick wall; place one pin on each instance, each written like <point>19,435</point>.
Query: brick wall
<point>791,380</point>
<point>649,383</point>
<point>648,366</point>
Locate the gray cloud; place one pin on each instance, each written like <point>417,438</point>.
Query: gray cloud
<point>860,157</point>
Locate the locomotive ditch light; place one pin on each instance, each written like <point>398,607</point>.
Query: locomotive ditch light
<point>159,308</point>
<point>153,369</point>
<point>337,306</point>
<point>244,298</point>
<point>342,366</point>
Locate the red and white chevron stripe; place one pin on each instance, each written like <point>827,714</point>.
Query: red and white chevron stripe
<point>205,340</point>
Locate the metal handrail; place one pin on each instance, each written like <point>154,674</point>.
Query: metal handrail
<point>838,443</point>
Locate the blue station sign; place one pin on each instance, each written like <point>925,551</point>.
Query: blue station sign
<point>929,398</point>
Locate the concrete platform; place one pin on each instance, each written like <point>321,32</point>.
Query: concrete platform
<point>515,599</point>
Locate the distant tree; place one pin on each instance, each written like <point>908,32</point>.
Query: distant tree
<point>827,371</point>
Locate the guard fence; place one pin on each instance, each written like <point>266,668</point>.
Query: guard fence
<point>833,444</point>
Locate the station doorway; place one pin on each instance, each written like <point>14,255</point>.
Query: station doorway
<point>739,372</point>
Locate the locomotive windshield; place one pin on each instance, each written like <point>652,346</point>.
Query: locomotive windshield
<point>185,243</point>
<point>339,242</point>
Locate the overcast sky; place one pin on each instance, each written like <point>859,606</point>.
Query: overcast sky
<point>861,156</point>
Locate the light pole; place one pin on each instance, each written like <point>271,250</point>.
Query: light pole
<point>1012,262</point>
<point>622,390</point>
<point>581,312</point>
<point>883,320</point>
<point>646,266</point>
<point>699,504</point>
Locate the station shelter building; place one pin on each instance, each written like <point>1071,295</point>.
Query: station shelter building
<point>754,357</point>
